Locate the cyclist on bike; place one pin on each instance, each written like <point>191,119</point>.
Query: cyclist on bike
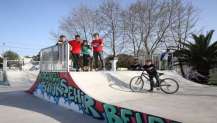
<point>150,68</point>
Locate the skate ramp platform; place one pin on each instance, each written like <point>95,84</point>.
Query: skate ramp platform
<point>106,96</point>
<point>19,80</point>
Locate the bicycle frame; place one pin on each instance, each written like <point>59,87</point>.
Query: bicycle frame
<point>140,83</point>
<point>143,74</point>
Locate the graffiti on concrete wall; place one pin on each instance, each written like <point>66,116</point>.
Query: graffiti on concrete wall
<point>59,88</point>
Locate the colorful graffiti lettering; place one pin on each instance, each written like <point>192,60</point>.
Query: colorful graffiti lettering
<point>59,88</point>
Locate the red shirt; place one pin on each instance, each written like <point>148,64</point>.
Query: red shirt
<point>76,46</point>
<point>97,45</point>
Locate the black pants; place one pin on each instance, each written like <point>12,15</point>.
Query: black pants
<point>152,76</point>
<point>86,59</point>
<point>75,58</point>
<point>98,56</point>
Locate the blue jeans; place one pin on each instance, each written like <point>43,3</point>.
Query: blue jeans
<point>98,56</point>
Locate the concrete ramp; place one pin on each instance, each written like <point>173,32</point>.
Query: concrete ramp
<point>20,80</point>
<point>106,96</point>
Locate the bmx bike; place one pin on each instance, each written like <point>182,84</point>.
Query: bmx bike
<point>142,82</point>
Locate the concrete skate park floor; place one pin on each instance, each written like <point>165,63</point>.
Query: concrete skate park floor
<point>18,106</point>
<point>193,103</point>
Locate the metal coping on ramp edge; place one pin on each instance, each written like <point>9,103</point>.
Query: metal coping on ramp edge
<point>59,88</point>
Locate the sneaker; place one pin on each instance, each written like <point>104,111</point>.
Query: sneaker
<point>158,88</point>
<point>99,69</point>
<point>156,85</point>
<point>150,90</point>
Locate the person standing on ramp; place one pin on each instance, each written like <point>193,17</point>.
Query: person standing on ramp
<point>86,49</point>
<point>98,45</point>
<point>75,51</point>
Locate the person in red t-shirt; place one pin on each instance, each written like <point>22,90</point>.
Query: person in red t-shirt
<point>97,45</point>
<point>75,46</point>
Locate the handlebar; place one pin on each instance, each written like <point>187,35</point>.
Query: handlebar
<point>159,73</point>
<point>144,73</point>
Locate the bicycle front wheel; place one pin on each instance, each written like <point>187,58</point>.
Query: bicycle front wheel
<point>137,84</point>
<point>169,86</point>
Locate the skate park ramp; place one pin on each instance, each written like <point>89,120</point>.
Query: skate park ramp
<point>112,88</point>
<point>22,79</point>
<point>19,80</point>
<point>187,87</point>
<point>180,107</point>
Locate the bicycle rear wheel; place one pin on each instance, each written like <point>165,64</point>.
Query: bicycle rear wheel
<point>169,86</point>
<point>137,84</point>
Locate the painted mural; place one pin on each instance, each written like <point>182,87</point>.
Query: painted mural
<point>60,88</point>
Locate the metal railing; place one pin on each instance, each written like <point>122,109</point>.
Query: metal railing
<point>55,58</point>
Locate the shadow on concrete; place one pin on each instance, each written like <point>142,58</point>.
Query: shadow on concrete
<point>117,84</point>
<point>23,100</point>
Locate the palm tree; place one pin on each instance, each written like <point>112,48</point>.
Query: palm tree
<point>201,54</point>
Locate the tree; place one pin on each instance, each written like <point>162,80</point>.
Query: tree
<point>110,20</point>
<point>201,54</point>
<point>11,55</point>
<point>36,57</point>
<point>124,61</point>
<point>184,20</point>
<point>83,21</point>
<point>148,23</point>
<point>131,30</point>
<point>145,27</point>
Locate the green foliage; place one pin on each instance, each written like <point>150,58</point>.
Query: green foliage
<point>36,58</point>
<point>213,79</point>
<point>10,55</point>
<point>27,56</point>
<point>201,54</point>
<point>212,82</point>
<point>124,61</point>
<point>108,64</point>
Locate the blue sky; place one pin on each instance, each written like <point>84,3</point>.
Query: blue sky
<point>25,25</point>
